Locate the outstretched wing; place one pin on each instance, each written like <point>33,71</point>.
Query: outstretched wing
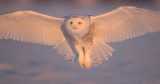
<point>29,26</point>
<point>32,27</point>
<point>125,22</point>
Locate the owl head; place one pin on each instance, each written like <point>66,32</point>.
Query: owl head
<point>77,24</point>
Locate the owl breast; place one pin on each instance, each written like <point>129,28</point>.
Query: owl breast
<point>86,39</point>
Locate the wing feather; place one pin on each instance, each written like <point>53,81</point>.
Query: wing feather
<point>32,27</point>
<point>124,23</point>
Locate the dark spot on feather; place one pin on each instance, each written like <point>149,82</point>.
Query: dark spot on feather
<point>71,56</point>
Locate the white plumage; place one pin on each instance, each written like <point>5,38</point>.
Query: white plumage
<point>81,36</point>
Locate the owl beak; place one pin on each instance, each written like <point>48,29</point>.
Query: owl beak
<point>75,28</point>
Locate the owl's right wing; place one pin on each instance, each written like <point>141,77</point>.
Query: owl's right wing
<point>125,22</point>
<point>29,26</point>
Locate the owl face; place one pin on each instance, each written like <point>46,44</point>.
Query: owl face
<point>77,25</point>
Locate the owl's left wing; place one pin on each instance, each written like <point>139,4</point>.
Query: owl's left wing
<point>125,22</point>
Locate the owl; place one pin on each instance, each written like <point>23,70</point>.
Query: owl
<point>80,38</point>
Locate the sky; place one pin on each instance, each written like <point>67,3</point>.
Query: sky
<point>135,61</point>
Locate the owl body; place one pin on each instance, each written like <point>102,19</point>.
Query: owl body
<point>81,36</point>
<point>80,32</point>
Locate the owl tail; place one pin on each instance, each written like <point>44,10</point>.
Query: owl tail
<point>100,52</point>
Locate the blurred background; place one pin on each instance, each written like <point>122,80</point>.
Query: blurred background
<point>135,61</point>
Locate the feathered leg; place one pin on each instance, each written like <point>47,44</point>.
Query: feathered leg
<point>87,59</point>
<point>81,55</point>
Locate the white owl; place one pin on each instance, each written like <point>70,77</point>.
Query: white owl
<point>80,36</point>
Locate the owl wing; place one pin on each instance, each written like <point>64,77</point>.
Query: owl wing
<point>32,27</point>
<point>125,22</point>
<point>29,26</point>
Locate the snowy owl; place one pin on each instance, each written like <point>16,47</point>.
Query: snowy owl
<point>80,37</point>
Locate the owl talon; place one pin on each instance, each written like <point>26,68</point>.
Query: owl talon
<point>88,62</point>
<point>81,63</point>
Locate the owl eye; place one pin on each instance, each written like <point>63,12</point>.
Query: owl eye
<point>79,23</point>
<point>70,23</point>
